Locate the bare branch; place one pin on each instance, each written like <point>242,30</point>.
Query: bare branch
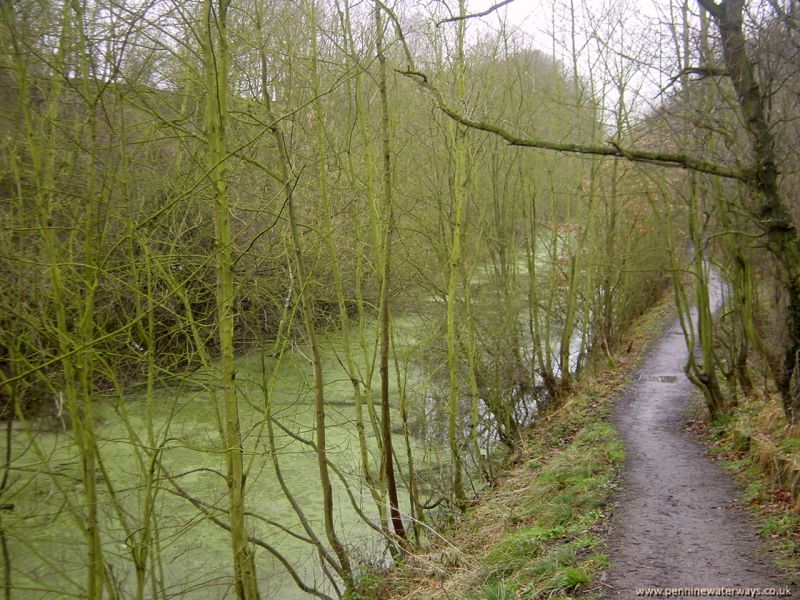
<point>718,10</point>
<point>207,509</point>
<point>398,30</point>
<point>488,11</point>
<point>704,71</point>
<point>701,72</point>
<point>664,159</point>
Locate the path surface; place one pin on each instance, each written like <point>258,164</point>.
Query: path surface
<point>674,524</point>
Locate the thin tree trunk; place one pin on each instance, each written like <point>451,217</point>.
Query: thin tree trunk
<point>216,69</point>
<point>285,175</point>
<point>344,318</point>
<point>388,209</point>
<point>42,153</point>
<point>457,136</point>
<point>704,375</point>
<point>377,489</point>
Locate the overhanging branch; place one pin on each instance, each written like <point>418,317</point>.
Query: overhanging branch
<point>484,13</point>
<point>664,159</point>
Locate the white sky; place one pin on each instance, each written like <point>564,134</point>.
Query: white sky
<point>535,17</point>
<point>547,24</point>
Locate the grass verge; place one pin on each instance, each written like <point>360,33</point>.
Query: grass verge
<point>762,451</point>
<point>538,532</point>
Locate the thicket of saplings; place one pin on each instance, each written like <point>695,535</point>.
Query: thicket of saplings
<point>275,283</point>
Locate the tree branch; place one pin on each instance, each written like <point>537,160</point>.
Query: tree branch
<point>207,509</point>
<point>488,11</point>
<point>664,159</point>
<point>718,10</point>
<point>704,71</point>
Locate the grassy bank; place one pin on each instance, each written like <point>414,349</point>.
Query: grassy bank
<point>758,447</point>
<point>538,530</point>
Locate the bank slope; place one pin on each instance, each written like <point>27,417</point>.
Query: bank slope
<point>539,531</point>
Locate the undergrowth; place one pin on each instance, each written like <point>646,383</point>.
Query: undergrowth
<point>538,532</point>
<point>756,444</point>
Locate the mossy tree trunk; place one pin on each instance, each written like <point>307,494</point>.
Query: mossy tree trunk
<point>458,186</point>
<point>771,209</point>
<point>74,324</point>
<point>216,57</point>
<point>386,262</point>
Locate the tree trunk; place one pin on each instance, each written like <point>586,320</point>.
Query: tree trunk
<point>216,66</point>
<point>773,214</point>
<point>457,152</point>
<point>386,426</point>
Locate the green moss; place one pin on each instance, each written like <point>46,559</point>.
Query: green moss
<point>790,445</point>
<point>780,525</point>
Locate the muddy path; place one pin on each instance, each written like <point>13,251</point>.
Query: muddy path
<point>676,523</point>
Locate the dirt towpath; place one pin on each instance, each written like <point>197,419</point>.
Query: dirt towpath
<point>674,524</point>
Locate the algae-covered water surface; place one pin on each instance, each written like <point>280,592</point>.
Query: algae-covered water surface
<point>46,541</point>
<point>173,432</point>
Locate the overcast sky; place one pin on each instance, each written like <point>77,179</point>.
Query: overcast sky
<point>547,24</point>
